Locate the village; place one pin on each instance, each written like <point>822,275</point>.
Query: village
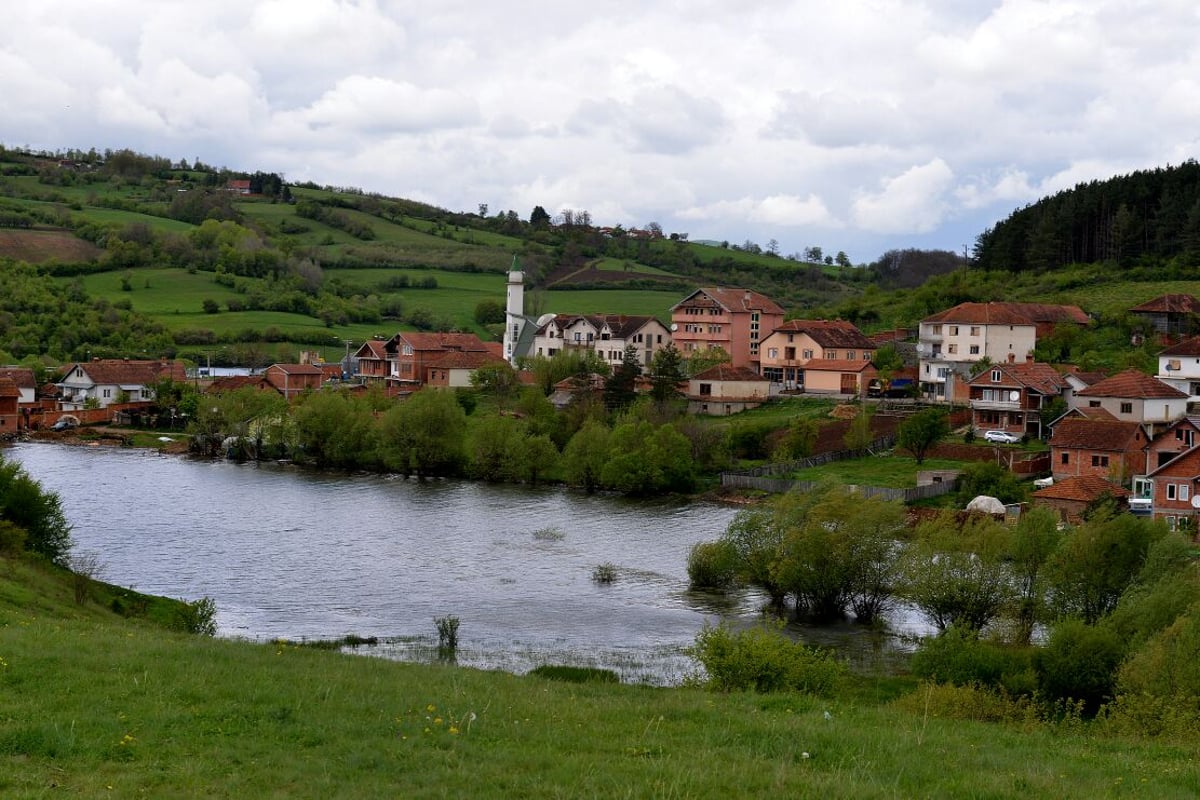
<point>1129,437</point>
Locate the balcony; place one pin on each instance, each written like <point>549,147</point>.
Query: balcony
<point>996,405</point>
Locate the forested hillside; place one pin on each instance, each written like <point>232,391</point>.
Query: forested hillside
<point>1147,219</point>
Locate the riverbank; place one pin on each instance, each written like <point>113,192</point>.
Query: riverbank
<point>99,706</point>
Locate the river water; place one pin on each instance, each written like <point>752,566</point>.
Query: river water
<point>290,553</point>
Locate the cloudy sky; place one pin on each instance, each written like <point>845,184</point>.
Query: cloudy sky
<point>859,125</point>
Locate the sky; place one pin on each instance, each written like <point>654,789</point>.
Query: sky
<point>856,126</point>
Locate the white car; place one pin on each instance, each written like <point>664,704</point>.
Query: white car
<point>1001,437</point>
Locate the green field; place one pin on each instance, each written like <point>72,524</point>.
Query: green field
<point>611,301</point>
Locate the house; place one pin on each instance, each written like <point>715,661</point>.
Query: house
<point>25,381</point>
<point>1071,497</point>
<point>1109,449</point>
<point>951,342</point>
<point>1134,396</point>
<point>735,320</point>
<point>292,380</point>
<point>372,360</point>
<point>454,368</point>
<point>1171,491</point>
<point>725,389</point>
<point>410,355</point>
<point>605,334</point>
<point>1171,314</point>
<point>1179,366</point>
<point>830,356</point>
<point>241,187</point>
<point>10,399</point>
<point>1172,442</point>
<point>102,382</point>
<point>1011,397</point>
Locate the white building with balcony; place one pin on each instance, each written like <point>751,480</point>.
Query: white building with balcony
<point>1179,366</point>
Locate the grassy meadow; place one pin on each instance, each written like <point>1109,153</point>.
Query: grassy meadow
<point>93,705</point>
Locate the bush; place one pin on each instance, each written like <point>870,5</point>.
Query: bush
<point>605,573</point>
<point>1079,662</point>
<point>957,657</point>
<point>198,617</point>
<point>711,565</point>
<point>765,660</point>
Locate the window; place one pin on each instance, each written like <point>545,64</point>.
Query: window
<point>807,354</point>
<point>937,330</point>
<point>952,349</point>
<point>831,353</point>
<point>772,352</point>
<point>1170,491</point>
<point>1099,461</point>
<point>1127,408</point>
<point>706,390</point>
<point>974,349</point>
<point>789,353</point>
<point>849,355</point>
<point>1093,403</point>
<point>1066,458</point>
<point>1183,491</point>
<point>867,355</point>
<point>995,376</point>
<point>974,330</point>
<point>954,330</point>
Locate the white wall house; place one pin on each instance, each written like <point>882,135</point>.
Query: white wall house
<point>1179,367</point>
<point>113,381</point>
<point>606,334</point>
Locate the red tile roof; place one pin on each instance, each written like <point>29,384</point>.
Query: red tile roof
<point>297,369</point>
<point>420,340</point>
<point>1009,314</point>
<point>836,365</point>
<point>1169,304</point>
<point>8,388</point>
<point>231,383</point>
<point>1134,384</point>
<point>372,348</point>
<point>1075,433</point>
<point>728,372</point>
<point>465,359</point>
<point>121,372</point>
<point>1188,347</point>
<point>734,299</point>
<point>837,333</point>
<point>1039,376</point>
<point>21,376</point>
<point>1080,488</point>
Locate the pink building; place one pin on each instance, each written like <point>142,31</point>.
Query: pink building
<point>735,320</point>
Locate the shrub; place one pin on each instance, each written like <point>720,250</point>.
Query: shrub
<point>605,573</point>
<point>958,657</point>
<point>763,659</point>
<point>1079,662</point>
<point>199,617</point>
<point>447,628</point>
<point>711,565</point>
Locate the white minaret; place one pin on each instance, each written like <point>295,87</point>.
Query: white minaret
<point>514,312</point>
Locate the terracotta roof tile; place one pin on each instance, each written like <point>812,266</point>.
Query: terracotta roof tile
<point>1131,383</point>
<point>1009,314</point>
<point>1188,347</point>
<point>728,372</point>
<point>465,359</point>
<point>836,333</point>
<point>8,388</point>
<point>23,377</point>
<point>1080,488</point>
<point>836,365</point>
<point>1075,433</point>
<point>120,372</point>
<point>1169,304</point>
<point>1039,376</point>
<point>735,299</point>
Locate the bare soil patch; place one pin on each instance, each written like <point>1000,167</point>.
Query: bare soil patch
<point>44,244</point>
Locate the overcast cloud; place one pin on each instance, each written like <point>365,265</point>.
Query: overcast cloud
<point>856,126</point>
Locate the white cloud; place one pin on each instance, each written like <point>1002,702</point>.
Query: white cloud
<point>914,200</point>
<point>778,117</point>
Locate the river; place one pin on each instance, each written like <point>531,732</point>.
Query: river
<point>295,554</point>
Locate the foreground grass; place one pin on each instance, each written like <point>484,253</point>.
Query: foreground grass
<point>96,706</point>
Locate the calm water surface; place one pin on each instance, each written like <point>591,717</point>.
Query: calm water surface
<point>291,553</point>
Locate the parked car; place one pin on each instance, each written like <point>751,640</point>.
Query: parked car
<point>64,424</point>
<point>1001,437</point>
